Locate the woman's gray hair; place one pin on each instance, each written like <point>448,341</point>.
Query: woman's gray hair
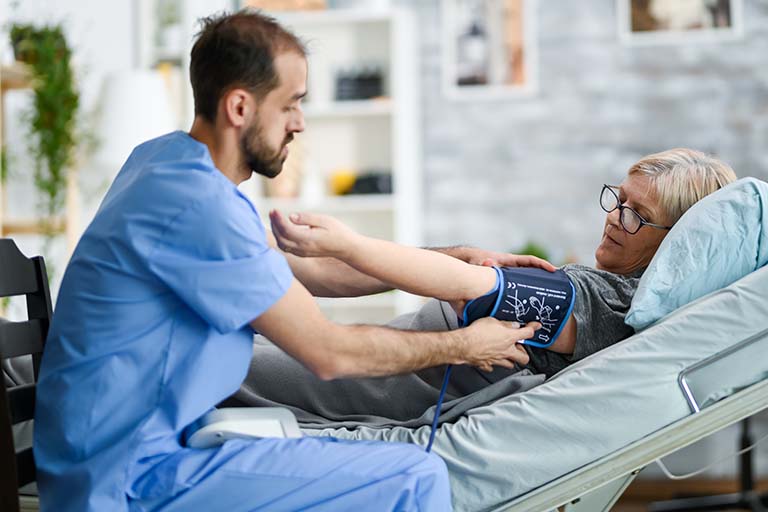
<point>681,177</point>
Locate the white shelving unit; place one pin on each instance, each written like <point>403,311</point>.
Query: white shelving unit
<point>359,135</point>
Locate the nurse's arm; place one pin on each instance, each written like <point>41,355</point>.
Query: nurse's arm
<point>331,351</point>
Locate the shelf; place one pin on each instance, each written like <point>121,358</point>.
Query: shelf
<point>15,76</point>
<point>349,109</point>
<point>358,203</point>
<point>32,226</point>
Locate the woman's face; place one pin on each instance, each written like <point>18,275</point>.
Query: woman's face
<point>622,253</point>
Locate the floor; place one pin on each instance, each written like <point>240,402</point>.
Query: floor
<point>643,492</point>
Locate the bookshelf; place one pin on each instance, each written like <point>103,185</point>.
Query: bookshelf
<point>380,134</point>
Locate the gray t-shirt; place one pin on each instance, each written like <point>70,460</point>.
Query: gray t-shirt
<point>602,302</point>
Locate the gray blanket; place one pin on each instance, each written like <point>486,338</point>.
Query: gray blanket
<point>275,379</point>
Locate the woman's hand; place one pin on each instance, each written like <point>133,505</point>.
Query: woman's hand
<point>491,342</point>
<point>312,234</point>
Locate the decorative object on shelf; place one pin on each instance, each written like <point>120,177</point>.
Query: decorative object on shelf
<point>341,181</point>
<point>652,22</point>
<point>488,48</point>
<point>287,184</point>
<point>373,183</point>
<point>286,5</point>
<point>53,135</point>
<point>359,83</point>
<point>346,181</point>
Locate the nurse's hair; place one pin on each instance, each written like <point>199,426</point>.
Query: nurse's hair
<point>237,50</point>
<point>681,177</point>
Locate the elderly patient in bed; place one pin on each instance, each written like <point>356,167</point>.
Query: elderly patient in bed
<point>640,211</point>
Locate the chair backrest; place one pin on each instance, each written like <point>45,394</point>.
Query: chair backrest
<point>20,275</point>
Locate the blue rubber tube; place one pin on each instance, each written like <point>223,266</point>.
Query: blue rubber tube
<point>439,406</point>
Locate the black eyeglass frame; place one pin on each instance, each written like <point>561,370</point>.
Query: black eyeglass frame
<point>621,209</point>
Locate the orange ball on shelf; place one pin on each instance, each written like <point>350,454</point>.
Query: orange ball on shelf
<point>341,181</point>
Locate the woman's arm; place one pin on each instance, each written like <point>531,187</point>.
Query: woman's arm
<point>566,341</point>
<point>329,277</point>
<point>418,271</point>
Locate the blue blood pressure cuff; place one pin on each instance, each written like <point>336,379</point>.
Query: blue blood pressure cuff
<point>525,294</point>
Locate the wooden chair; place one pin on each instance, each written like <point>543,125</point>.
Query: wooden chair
<point>20,275</point>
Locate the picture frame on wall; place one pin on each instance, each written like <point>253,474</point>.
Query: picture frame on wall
<point>488,49</point>
<point>653,22</point>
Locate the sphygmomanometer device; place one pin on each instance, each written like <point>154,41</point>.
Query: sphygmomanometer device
<point>220,425</point>
<point>525,294</point>
<point>521,294</point>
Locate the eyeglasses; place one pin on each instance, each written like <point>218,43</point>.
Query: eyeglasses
<point>630,220</point>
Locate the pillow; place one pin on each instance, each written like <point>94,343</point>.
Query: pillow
<point>716,242</point>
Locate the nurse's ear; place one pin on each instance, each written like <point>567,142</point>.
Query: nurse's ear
<point>238,107</point>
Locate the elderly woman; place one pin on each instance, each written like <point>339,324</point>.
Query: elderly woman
<point>640,211</point>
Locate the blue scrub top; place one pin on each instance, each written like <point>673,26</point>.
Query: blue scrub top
<point>151,327</point>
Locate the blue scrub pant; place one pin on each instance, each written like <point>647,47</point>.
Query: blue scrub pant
<point>317,474</point>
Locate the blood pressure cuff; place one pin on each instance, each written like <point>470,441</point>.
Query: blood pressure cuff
<point>524,294</point>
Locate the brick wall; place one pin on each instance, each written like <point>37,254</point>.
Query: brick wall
<point>499,173</point>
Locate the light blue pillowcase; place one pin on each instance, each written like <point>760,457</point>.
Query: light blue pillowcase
<point>716,242</point>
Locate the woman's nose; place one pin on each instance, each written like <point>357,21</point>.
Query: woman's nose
<point>614,218</point>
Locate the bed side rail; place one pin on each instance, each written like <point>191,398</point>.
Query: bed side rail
<point>746,401</point>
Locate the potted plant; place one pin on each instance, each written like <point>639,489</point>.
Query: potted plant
<point>52,120</point>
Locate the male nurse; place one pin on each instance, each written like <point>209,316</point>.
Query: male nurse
<point>155,319</point>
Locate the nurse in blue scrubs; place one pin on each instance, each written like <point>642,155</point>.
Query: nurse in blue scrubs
<point>155,319</point>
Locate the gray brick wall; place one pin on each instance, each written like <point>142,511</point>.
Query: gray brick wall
<point>500,173</point>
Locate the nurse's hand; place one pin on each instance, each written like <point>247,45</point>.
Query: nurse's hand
<point>492,342</point>
<point>477,256</point>
<point>312,234</point>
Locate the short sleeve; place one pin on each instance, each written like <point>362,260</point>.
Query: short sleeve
<point>214,256</point>
<point>602,302</point>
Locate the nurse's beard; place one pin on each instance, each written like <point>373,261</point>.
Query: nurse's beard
<point>257,155</point>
